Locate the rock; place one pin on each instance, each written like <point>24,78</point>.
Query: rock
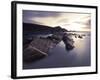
<point>32,54</point>
<point>68,42</point>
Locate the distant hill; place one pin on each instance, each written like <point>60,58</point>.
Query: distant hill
<point>36,28</point>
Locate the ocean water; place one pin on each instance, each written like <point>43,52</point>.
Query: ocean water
<point>59,56</point>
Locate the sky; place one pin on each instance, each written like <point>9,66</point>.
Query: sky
<point>68,20</point>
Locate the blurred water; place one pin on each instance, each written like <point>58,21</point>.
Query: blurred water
<point>60,57</point>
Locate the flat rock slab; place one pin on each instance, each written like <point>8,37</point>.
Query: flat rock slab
<point>38,48</point>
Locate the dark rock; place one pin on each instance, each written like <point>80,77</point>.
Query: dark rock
<point>31,54</point>
<point>68,42</point>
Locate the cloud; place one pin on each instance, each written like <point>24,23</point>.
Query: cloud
<point>39,13</point>
<point>29,14</point>
<point>84,23</point>
<point>66,20</point>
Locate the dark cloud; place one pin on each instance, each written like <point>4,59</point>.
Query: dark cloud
<point>27,14</point>
<point>89,22</point>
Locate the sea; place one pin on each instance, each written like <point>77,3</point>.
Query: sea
<point>59,56</point>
